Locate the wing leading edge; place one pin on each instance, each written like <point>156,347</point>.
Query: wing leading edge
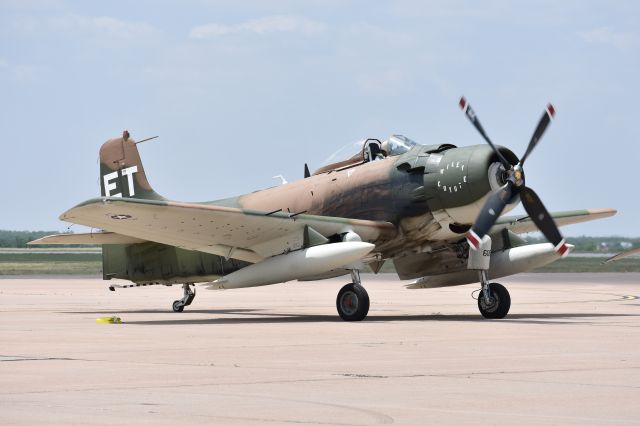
<point>623,255</point>
<point>87,238</point>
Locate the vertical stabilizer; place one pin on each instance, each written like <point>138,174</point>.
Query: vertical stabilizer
<point>121,170</point>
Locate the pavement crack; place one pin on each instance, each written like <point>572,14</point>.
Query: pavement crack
<point>16,358</point>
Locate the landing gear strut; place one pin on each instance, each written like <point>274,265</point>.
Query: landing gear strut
<point>353,300</point>
<point>494,300</point>
<point>189,295</point>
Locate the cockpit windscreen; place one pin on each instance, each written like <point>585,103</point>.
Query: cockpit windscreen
<point>398,145</point>
<point>395,145</point>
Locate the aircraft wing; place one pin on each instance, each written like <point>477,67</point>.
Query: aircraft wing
<point>87,238</point>
<point>623,255</point>
<point>242,234</point>
<point>523,223</point>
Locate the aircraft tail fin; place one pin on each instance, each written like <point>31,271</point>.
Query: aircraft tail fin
<point>121,170</point>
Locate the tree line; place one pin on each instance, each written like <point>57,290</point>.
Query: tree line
<point>19,239</point>
<point>586,244</point>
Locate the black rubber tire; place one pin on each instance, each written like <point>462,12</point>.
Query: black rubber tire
<point>352,302</point>
<point>177,306</point>
<point>502,302</point>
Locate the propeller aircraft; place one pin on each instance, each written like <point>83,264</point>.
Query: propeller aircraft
<point>434,210</point>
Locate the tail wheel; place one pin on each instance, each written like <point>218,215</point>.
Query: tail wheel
<point>497,307</point>
<point>352,302</point>
<point>178,306</point>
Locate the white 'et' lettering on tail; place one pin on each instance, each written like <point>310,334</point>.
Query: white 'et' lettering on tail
<point>111,186</point>
<point>128,172</point>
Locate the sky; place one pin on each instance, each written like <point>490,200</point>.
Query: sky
<point>241,91</point>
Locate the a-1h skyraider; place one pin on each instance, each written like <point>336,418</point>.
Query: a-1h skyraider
<point>434,210</point>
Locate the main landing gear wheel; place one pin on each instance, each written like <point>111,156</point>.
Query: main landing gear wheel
<point>352,302</point>
<point>498,303</point>
<point>189,295</point>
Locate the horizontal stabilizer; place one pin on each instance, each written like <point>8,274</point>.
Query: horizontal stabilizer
<point>87,238</point>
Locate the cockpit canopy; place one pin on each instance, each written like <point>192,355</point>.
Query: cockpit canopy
<point>365,151</point>
<point>398,145</point>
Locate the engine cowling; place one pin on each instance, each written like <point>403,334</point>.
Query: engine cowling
<point>457,181</point>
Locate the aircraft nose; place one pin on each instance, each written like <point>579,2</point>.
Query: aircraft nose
<point>460,178</point>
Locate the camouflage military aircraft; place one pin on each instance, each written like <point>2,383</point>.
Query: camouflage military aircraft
<point>434,210</point>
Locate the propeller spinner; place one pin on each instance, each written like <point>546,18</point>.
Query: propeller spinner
<point>513,187</point>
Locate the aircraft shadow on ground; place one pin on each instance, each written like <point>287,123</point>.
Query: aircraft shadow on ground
<point>165,311</point>
<point>253,316</point>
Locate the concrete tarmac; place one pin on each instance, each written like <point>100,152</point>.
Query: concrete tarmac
<point>568,353</point>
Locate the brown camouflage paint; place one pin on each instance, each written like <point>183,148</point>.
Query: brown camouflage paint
<point>119,154</point>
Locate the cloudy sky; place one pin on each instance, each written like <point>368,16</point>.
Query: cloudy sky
<point>242,91</point>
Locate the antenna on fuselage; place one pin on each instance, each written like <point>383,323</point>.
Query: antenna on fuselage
<point>282,179</point>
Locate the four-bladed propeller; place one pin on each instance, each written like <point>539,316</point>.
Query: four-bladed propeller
<point>514,187</point>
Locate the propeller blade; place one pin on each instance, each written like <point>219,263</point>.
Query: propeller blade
<point>537,134</point>
<point>543,220</point>
<point>489,214</point>
<point>471,115</point>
